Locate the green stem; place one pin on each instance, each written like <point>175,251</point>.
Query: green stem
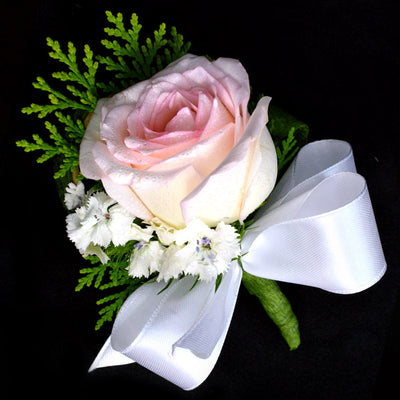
<point>276,305</point>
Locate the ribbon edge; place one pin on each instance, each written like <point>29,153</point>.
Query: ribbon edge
<point>363,286</point>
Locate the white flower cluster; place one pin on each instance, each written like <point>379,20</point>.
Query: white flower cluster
<point>196,249</point>
<point>98,220</point>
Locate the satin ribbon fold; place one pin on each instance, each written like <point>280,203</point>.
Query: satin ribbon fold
<point>317,229</point>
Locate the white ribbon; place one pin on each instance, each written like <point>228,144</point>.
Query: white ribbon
<point>317,229</point>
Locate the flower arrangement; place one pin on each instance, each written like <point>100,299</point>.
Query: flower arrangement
<point>168,170</point>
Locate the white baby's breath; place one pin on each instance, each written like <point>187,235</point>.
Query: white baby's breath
<point>195,250</point>
<point>165,233</point>
<point>96,251</point>
<point>145,259</point>
<point>201,251</point>
<point>89,223</point>
<point>123,229</point>
<point>101,221</point>
<point>173,263</point>
<point>74,195</point>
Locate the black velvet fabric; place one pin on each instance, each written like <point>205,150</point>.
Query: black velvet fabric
<point>332,64</point>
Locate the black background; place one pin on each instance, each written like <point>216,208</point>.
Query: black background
<point>333,64</point>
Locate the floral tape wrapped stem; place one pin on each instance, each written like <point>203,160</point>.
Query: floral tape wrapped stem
<point>276,305</point>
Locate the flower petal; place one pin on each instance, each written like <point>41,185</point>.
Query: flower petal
<point>163,193</point>
<point>262,176</point>
<point>236,80</point>
<point>205,156</point>
<point>87,163</point>
<point>127,198</point>
<point>222,195</point>
<point>114,130</point>
<point>219,116</point>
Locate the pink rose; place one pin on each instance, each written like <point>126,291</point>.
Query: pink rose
<point>182,145</point>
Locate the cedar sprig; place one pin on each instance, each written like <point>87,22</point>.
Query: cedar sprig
<point>64,143</point>
<point>113,277</point>
<point>67,150</point>
<point>84,98</point>
<point>287,149</point>
<point>132,61</point>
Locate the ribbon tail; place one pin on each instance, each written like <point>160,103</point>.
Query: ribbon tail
<point>177,334</point>
<point>201,339</point>
<point>108,357</point>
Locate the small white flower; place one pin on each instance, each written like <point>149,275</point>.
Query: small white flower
<point>102,221</point>
<point>74,195</point>
<point>97,251</point>
<point>166,233</point>
<point>89,223</point>
<point>172,263</point>
<point>201,251</point>
<point>194,230</point>
<point>123,229</point>
<point>226,242</point>
<point>146,258</point>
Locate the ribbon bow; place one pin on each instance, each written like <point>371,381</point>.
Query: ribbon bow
<point>317,229</point>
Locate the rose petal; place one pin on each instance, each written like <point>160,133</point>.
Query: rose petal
<point>183,120</point>
<point>112,168</point>
<point>236,81</point>
<point>204,105</point>
<point>264,169</point>
<point>87,163</point>
<point>227,186</point>
<point>128,96</point>
<point>210,78</point>
<point>127,198</point>
<point>141,145</point>
<point>188,61</point>
<point>219,196</point>
<point>219,116</point>
<point>186,141</point>
<point>205,156</point>
<point>113,131</point>
<point>157,149</point>
<point>163,194</point>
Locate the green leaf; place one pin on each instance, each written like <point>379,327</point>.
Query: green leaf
<point>281,122</point>
<point>218,281</point>
<point>168,285</point>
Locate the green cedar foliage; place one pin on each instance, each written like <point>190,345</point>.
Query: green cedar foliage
<point>287,150</point>
<point>133,62</point>
<point>111,277</point>
<point>130,63</point>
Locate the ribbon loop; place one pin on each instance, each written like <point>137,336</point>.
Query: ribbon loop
<point>326,238</point>
<point>314,162</point>
<point>317,229</point>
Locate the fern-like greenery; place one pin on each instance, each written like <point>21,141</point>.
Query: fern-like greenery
<point>287,150</point>
<point>133,62</point>
<point>64,144</point>
<point>111,277</point>
<point>84,98</point>
<point>130,63</point>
